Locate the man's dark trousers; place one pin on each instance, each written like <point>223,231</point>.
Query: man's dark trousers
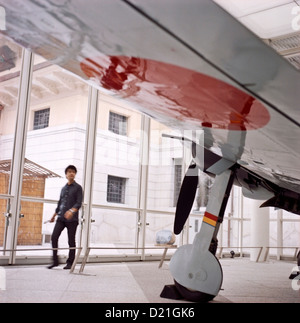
<point>59,227</point>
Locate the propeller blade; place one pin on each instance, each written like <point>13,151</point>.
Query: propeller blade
<point>186,197</point>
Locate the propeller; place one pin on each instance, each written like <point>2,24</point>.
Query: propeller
<point>186,197</point>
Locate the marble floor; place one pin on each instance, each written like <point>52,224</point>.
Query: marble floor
<point>142,282</point>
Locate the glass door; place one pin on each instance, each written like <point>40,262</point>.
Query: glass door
<point>55,138</point>
<point>10,66</point>
<point>115,223</point>
<point>164,181</point>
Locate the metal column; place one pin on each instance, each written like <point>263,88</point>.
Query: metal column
<point>15,187</point>
<point>90,152</point>
<point>143,182</point>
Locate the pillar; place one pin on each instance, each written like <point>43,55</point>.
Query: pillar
<point>89,163</point>
<point>260,229</point>
<point>15,185</point>
<point>143,182</point>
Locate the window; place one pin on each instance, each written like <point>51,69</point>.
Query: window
<point>177,182</point>
<point>116,189</point>
<point>117,123</point>
<point>41,119</point>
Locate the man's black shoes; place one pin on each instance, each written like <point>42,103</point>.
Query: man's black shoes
<point>68,266</point>
<point>52,266</point>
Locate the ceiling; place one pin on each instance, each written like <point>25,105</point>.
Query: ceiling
<point>49,81</point>
<point>277,22</point>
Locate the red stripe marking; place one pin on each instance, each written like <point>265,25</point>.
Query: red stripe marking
<point>210,216</point>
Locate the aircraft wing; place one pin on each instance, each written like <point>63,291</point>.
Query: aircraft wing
<point>188,64</point>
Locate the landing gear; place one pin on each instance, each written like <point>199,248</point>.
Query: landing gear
<point>193,295</point>
<point>196,296</point>
<point>196,271</point>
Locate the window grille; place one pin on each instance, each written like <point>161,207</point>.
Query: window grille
<point>117,123</point>
<point>116,189</point>
<point>41,119</point>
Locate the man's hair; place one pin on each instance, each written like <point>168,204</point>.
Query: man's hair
<point>71,167</point>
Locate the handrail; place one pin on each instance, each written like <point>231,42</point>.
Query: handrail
<point>219,256</point>
<point>44,249</point>
<point>38,249</point>
<point>230,247</point>
<point>295,254</point>
<point>80,249</point>
<point>261,249</point>
<point>88,249</point>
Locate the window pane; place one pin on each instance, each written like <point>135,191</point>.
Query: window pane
<point>116,189</point>
<point>113,229</point>
<point>117,123</point>
<point>10,64</point>
<point>116,156</point>
<point>41,119</point>
<point>164,179</point>
<point>34,231</point>
<point>156,224</point>
<point>116,180</point>
<point>3,219</point>
<point>58,109</point>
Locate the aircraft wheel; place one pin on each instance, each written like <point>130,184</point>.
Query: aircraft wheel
<point>193,295</point>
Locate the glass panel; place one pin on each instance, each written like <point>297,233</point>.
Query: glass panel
<point>166,156</point>
<point>3,219</point>
<point>56,129</point>
<point>10,63</point>
<point>164,178</point>
<point>159,230</point>
<point>113,229</point>
<point>34,230</point>
<point>290,233</point>
<point>55,139</point>
<point>117,156</point>
<point>164,181</point>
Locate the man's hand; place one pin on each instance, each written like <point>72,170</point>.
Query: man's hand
<point>68,215</point>
<point>53,218</point>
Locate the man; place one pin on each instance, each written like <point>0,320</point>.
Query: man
<point>67,215</point>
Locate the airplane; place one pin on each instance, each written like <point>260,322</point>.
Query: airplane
<point>192,66</point>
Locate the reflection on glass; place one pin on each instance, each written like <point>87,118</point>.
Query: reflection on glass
<point>3,204</point>
<point>165,166</point>
<point>117,154</point>
<point>10,63</point>
<point>35,230</point>
<point>55,139</point>
<point>111,230</point>
<point>56,126</point>
<point>158,222</point>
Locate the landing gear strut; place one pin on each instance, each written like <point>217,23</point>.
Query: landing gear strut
<point>196,271</point>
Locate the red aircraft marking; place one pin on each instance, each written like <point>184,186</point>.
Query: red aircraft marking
<point>186,94</point>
